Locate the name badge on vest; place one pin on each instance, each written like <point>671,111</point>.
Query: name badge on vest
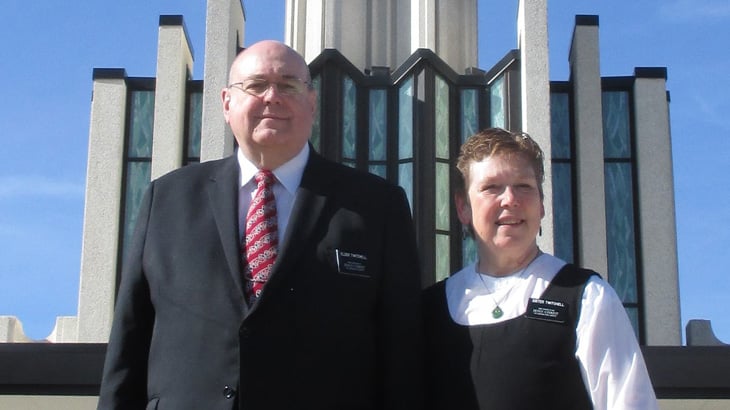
<point>351,263</point>
<point>547,310</point>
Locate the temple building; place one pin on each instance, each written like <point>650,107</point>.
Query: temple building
<point>399,90</point>
<point>397,99</point>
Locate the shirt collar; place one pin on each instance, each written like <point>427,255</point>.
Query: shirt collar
<point>288,174</point>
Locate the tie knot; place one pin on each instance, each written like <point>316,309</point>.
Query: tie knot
<point>265,177</point>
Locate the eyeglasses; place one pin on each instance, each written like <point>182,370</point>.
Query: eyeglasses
<point>257,87</point>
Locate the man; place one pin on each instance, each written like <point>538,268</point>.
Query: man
<point>333,324</point>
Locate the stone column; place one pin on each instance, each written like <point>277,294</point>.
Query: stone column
<point>588,126</point>
<point>174,69</point>
<point>100,242</point>
<point>224,34</point>
<point>532,40</point>
<point>384,33</point>
<point>656,208</point>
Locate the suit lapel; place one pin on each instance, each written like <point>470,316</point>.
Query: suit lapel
<point>223,194</point>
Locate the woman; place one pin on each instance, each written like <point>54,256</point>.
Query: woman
<point>521,329</point>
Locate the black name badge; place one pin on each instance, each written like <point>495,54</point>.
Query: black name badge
<point>547,310</point>
<point>351,263</point>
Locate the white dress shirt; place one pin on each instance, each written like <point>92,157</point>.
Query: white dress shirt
<point>288,176</point>
<point>611,363</point>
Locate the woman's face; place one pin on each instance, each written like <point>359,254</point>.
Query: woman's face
<point>503,206</point>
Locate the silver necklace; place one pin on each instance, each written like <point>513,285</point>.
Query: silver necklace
<point>497,312</point>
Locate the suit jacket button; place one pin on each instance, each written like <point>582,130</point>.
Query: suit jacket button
<point>229,392</point>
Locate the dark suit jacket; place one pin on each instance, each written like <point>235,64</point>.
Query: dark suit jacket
<point>320,336</point>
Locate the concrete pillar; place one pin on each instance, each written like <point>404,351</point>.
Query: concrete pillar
<point>66,329</point>
<point>384,32</point>
<point>174,69</point>
<point>314,25</point>
<point>100,242</point>
<point>532,41</point>
<point>700,333</point>
<point>383,41</point>
<point>224,34</point>
<point>588,126</point>
<point>295,25</point>
<point>656,208</point>
<point>423,25</point>
<point>304,27</point>
<point>457,23</point>
<point>347,26</point>
<point>11,330</point>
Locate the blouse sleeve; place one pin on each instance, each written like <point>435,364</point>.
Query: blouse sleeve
<point>612,365</point>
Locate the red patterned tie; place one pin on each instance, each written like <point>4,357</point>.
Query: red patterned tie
<point>261,240</point>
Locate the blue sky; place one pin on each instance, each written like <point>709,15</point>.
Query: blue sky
<point>51,47</point>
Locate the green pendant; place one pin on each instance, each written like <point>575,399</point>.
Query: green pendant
<point>497,312</point>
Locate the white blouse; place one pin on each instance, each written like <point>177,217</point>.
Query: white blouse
<point>611,363</point>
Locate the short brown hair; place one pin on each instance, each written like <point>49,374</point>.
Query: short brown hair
<point>497,141</point>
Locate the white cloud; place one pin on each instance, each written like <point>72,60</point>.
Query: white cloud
<point>17,186</point>
<point>685,11</point>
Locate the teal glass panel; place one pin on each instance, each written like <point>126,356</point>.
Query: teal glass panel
<point>469,127</point>
<point>616,126</point>
<point>497,98</point>
<point>315,138</point>
<point>378,125</point>
<point>349,118</point>
<point>379,170</point>
<point>443,258</point>
<point>405,180</point>
<point>141,124</point>
<point>443,203</point>
<point>195,119</point>
<point>442,118</point>
<point>620,236</point>
<point>633,314</point>
<point>469,113</point>
<point>137,180</point>
<point>563,212</point>
<point>405,120</point>
<point>560,125</point>
<point>468,251</point>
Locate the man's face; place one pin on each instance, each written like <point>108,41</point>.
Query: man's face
<point>270,107</point>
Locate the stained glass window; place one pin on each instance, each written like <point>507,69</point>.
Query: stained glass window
<point>405,137</point>
<point>195,116</point>
<point>620,212</point>
<point>562,176</point>
<point>497,103</point>
<point>138,158</point>
<point>349,122</point>
<point>314,139</point>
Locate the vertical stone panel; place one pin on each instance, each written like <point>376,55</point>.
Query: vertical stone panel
<point>174,67</point>
<point>656,208</point>
<point>588,126</point>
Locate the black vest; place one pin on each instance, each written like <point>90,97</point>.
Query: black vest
<point>521,363</point>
